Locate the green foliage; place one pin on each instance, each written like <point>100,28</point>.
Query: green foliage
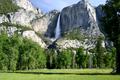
<point>74,34</point>
<point>20,53</point>
<point>9,52</point>
<point>7,6</point>
<point>81,58</point>
<point>100,53</point>
<point>111,23</point>
<point>108,60</point>
<point>23,28</point>
<point>102,58</point>
<point>31,55</point>
<point>17,53</point>
<point>60,60</point>
<point>65,59</point>
<point>111,19</point>
<point>52,59</point>
<point>113,51</point>
<point>94,61</point>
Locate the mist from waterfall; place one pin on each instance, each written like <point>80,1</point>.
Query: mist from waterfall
<point>58,30</point>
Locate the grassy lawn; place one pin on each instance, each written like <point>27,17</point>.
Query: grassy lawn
<point>63,74</point>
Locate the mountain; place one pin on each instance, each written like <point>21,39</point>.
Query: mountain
<point>21,20</point>
<point>81,20</point>
<point>26,4</point>
<point>81,15</point>
<point>77,25</point>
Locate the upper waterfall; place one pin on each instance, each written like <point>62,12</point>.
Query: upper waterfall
<point>58,29</point>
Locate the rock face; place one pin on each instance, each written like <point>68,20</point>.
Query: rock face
<point>85,18</point>
<point>28,16</point>
<point>81,15</point>
<point>11,30</point>
<point>3,18</point>
<point>46,24</point>
<point>22,17</point>
<point>26,4</point>
<point>87,44</point>
<point>31,35</point>
<point>69,44</point>
<point>43,24</point>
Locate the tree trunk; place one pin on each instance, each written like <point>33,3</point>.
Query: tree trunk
<point>117,46</point>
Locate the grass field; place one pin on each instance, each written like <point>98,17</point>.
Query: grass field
<point>63,74</point>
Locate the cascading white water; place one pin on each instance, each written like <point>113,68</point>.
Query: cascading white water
<point>58,30</point>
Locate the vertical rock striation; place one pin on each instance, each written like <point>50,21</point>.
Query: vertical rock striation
<point>81,15</point>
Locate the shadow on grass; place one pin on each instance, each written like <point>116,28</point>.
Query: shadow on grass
<point>56,73</point>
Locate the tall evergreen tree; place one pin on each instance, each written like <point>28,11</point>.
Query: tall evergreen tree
<point>100,53</point>
<point>111,22</point>
<point>65,59</point>
<point>81,58</point>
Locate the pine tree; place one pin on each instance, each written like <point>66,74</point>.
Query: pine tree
<point>100,53</point>
<point>65,59</point>
<point>111,22</point>
<point>81,58</point>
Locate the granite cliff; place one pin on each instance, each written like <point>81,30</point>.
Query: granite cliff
<point>81,16</point>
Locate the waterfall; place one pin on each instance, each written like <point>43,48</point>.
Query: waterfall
<point>58,30</point>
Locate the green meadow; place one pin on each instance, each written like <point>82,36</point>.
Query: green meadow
<point>60,74</point>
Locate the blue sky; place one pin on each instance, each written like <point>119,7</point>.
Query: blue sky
<point>47,5</point>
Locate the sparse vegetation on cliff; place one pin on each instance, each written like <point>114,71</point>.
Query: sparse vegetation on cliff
<point>7,6</point>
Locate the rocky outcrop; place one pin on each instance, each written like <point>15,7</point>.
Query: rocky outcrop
<point>87,44</point>
<point>22,17</point>
<point>28,16</point>
<point>11,30</point>
<point>85,18</point>
<point>81,15</point>
<point>31,35</point>
<point>25,14</point>
<point>3,18</point>
<point>27,5</point>
<point>43,24</point>
<point>46,24</point>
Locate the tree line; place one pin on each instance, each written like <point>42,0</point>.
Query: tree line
<point>99,57</point>
<point>18,53</point>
